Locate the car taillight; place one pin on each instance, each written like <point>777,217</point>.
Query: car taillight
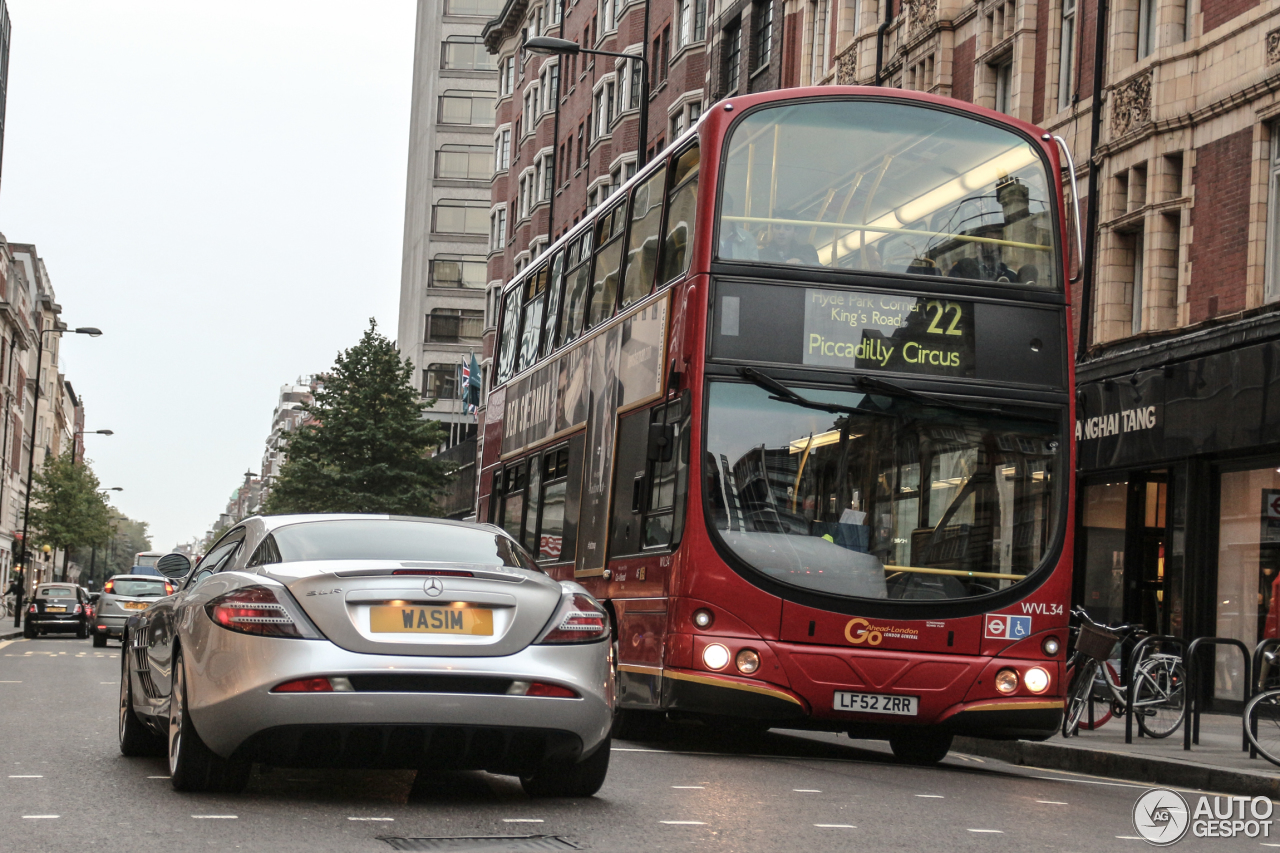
<point>435,573</point>
<point>109,586</point>
<point>168,588</point>
<point>79,609</point>
<point>579,620</point>
<point>263,611</point>
<point>31,608</point>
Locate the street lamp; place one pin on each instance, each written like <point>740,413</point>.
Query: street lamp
<point>546,45</point>
<point>85,432</point>
<point>31,458</point>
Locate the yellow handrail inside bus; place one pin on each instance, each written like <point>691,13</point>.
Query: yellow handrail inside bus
<point>882,229</point>
<point>954,573</point>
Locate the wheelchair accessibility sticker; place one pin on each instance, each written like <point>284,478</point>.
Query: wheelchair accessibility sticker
<point>1001,627</point>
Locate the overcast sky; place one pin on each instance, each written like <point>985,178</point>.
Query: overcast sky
<point>220,188</point>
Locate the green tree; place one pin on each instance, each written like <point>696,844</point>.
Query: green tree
<point>67,510</point>
<point>128,537</point>
<point>366,448</point>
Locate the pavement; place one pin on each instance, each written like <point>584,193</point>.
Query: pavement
<point>65,786</point>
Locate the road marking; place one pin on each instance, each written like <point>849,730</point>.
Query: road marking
<point>995,831</point>
<point>805,791</point>
<point>40,816</point>
<point>1089,782</point>
<point>26,777</point>
<point>157,777</point>
<point>688,787</point>
<point>835,826</point>
<point>523,820</point>
<point>684,822</point>
<point>931,796</point>
<point>1053,802</point>
<point>216,816</point>
<point>10,682</point>
<point>370,818</point>
<point>1131,838</point>
<point>108,682</point>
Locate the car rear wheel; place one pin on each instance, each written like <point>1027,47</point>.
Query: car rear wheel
<point>136,740</point>
<point>28,630</point>
<point>567,778</point>
<point>82,631</point>
<point>99,640</point>
<point>192,765</point>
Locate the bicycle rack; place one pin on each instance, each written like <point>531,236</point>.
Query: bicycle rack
<point>1129,683</point>
<point>1258,652</point>
<point>1191,734</point>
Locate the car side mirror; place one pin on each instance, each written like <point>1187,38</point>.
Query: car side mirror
<point>173,566</point>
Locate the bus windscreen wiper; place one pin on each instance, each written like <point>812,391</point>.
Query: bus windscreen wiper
<point>874,385</point>
<point>782,393</point>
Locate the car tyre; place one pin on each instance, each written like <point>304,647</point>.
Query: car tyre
<point>28,630</point>
<point>921,747</point>
<point>559,778</point>
<point>99,640</point>
<point>136,740</point>
<point>193,766</point>
<point>82,632</point>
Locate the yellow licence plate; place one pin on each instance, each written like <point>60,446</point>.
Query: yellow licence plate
<point>134,605</point>
<point>431,620</point>
<point>57,609</point>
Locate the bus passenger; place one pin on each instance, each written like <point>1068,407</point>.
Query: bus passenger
<point>736,242</point>
<point>786,245</point>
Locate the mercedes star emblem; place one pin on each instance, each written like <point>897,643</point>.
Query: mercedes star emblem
<point>434,587</point>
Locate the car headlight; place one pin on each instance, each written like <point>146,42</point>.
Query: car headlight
<point>1036,679</point>
<point>715,656</point>
<point>747,661</point>
<point>1007,681</point>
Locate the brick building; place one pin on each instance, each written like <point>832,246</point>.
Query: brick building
<point>1178,332</point>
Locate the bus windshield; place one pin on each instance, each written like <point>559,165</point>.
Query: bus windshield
<point>888,187</point>
<point>871,496</point>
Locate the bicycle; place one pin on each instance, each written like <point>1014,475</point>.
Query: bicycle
<point>1159,697</point>
<point>1262,713</point>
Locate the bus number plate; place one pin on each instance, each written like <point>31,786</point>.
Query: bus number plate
<point>877,703</point>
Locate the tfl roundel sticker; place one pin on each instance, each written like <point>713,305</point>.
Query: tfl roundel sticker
<point>1003,627</point>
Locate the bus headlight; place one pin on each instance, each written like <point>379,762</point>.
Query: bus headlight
<point>1050,647</point>
<point>1007,681</point>
<point>748,661</point>
<point>1036,679</point>
<point>715,656</point>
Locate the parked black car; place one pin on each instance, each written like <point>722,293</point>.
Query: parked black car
<point>57,607</point>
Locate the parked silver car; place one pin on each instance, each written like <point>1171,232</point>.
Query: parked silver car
<point>124,596</point>
<point>369,641</point>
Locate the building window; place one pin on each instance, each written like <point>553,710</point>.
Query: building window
<point>465,53</point>
<point>473,8</point>
<point>732,57</point>
<point>762,38</point>
<point>458,271</point>
<point>507,79</point>
<point>818,40</point>
<point>609,15</point>
<point>691,21</point>
<point>465,162</point>
<point>497,229</point>
<point>1273,220</point>
<point>1146,28</point>
<point>470,108</point>
<point>460,216</point>
<point>548,175</point>
<point>665,65</point>
<point>1139,247</point>
<point>502,150</point>
<point>440,382</point>
<point>1067,54</point>
<point>1004,84</point>
<point>454,326</point>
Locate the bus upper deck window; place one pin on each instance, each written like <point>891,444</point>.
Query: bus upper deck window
<point>681,210</point>
<point>577,287</point>
<point>510,330</point>
<point>604,289</point>
<point>551,321</point>
<point>642,245</point>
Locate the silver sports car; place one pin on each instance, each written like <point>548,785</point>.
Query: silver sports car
<point>369,641</point>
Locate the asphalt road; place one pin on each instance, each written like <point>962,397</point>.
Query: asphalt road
<point>65,787</point>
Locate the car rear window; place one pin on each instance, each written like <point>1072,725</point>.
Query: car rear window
<point>138,587</point>
<point>56,592</point>
<point>379,539</point>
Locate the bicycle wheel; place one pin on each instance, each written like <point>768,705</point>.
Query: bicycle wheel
<point>1160,696</point>
<point>1078,696</point>
<point>1262,724</point>
<point>1099,709</point>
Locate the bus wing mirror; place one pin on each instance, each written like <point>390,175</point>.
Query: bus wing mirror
<point>662,442</point>
<point>1076,266</point>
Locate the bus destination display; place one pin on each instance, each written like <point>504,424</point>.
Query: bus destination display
<point>858,330</point>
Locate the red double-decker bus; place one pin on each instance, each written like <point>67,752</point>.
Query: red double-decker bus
<point>794,403</point>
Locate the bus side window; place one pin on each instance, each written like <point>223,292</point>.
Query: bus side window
<point>511,506</point>
<point>642,244</point>
<point>555,485</point>
<point>577,287</point>
<point>604,290</point>
<point>681,210</point>
<point>573,496</point>
<point>555,287</point>
<point>510,333</point>
<point>535,288</point>
<point>668,481</point>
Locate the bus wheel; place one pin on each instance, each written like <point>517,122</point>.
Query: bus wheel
<point>921,747</point>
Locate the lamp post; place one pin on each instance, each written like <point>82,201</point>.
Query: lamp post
<point>88,432</point>
<point>31,459</point>
<point>547,45</point>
